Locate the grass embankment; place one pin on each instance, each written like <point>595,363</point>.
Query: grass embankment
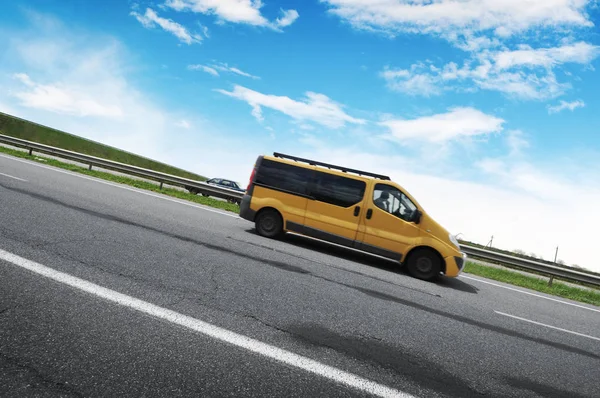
<point>534,283</point>
<point>208,201</point>
<point>26,130</point>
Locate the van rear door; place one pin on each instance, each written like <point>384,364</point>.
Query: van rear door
<point>284,187</point>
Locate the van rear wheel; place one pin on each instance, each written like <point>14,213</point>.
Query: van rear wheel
<point>424,264</point>
<point>269,223</point>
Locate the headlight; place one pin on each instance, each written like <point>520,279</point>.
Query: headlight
<point>454,241</point>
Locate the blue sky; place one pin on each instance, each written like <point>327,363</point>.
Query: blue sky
<point>485,110</point>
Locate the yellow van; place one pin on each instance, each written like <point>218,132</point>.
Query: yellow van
<point>348,207</point>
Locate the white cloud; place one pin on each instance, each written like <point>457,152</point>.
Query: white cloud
<point>205,31</point>
<point>23,78</point>
<point>580,53</point>
<point>411,82</point>
<point>236,71</point>
<point>235,11</point>
<point>223,67</point>
<point>288,18</point>
<point>566,105</point>
<point>151,19</point>
<point>524,73</point>
<point>214,70</point>
<point>461,18</point>
<point>455,124</point>
<point>315,107</point>
<point>516,142</point>
<point>65,98</point>
<point>184,124</point>
<point>204,68</point>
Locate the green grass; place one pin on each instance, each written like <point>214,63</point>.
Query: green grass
<point>207,201</point>
<point>26,130</point>
<point>533,283</point>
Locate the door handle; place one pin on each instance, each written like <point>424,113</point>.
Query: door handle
<point>369,214</point>
<point>356,210</point>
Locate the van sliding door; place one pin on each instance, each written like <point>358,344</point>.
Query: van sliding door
<point>334,210</point>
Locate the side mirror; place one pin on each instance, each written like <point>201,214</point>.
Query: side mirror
<point>416,216</point>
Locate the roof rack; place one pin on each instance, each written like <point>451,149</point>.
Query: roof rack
<point>330,166</point>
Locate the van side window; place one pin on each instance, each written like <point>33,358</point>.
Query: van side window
<point>393,201</point>
<point>283,176</point>
<point>337,190</point>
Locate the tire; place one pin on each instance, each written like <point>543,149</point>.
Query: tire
<point>269,223</point>
<point>424,264</point>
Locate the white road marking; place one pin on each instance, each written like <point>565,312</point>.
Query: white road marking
<point>548,326</point>
<point>9,176</point>
<point>532,294</point>
<point>118,186</point>
<point>218,333</point>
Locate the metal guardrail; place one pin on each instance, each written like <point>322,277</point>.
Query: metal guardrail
<point>547,269</point>
<point>161,178</point>
<point>229,194</point>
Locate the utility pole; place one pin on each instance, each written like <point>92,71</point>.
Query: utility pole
<point>552,276</point>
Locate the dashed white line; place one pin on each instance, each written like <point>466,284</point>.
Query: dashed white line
<point>13,177</point>
<point>531,294</point>
<point>118,186</point>
<point>218,333</point>
<point>548,326</point>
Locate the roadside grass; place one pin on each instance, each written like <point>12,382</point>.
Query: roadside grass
<point>207,201</point>
<point>533,283</point>
<point>30,131</point>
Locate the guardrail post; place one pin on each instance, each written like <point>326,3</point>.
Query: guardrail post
<point>550,280</point>
<point>30,151</point>
<point>90,167</point>
<point>161,184</point>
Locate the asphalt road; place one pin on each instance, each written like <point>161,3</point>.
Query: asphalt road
<point>174,299</point>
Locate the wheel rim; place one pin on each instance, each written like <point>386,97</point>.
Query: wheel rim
<point>268,224</point>
<point>424,265</point>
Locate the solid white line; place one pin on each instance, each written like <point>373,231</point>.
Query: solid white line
<point>531,294</point>
<point>548,326</point>
<point>117,185</point>
<point>224,335</point>
<point>9,176</point>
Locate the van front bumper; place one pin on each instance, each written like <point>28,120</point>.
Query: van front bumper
<point>455,265</point>
<point>461,262</point>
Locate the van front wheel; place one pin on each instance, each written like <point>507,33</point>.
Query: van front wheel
<point>424,264</point>
<point>269,223</point>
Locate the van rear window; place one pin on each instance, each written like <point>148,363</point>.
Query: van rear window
<point>283,177</point>
<point>325,187</point>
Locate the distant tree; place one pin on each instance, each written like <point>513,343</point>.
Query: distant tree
<point>561,262</point>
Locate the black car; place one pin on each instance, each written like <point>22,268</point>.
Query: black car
<point>226,184</point>
<point>221,182</point>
